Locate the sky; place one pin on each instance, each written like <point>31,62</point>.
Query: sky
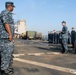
<point>44,15</point>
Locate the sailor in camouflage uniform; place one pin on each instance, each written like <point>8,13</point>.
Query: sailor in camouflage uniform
<point>64,38</point>
<point>6,38</point>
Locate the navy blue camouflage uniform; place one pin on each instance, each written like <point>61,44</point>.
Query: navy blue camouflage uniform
<point>73,38</point>
<point>64,39</point>
<point>6,46</point>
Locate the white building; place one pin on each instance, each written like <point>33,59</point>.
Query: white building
<point>20,27</point>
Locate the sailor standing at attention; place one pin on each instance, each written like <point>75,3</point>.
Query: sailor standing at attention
<point>6,38</point>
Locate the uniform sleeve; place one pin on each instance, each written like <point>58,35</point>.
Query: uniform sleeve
<point>74,34</point>
<point>5,18</point>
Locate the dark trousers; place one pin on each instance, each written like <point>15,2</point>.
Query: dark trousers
<point>72,42</point>
<point>0,62</point>
<point>75,47</point>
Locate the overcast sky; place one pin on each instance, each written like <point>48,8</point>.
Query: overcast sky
<point>44,15</point>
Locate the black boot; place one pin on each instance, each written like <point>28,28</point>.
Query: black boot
<point>3,73</point>
<point>10,71</point>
